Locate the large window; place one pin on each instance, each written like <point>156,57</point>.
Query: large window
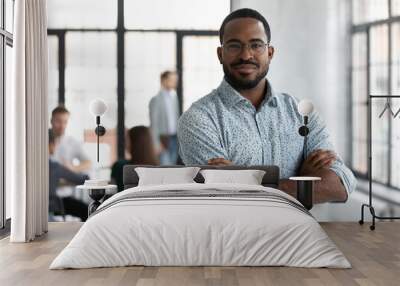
<point>91,72</point>
<point>147,54</point>
<point>82,14</point>
<point>395,87</point>
<point>375,71</point>
<point>114,50</point>
<point>200,65</point>
<point>359,102</point>
<point>175,14</point>
<point>365,11</point>
<point>6,42</point>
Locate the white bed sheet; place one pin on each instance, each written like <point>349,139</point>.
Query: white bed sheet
<point>200,231</point>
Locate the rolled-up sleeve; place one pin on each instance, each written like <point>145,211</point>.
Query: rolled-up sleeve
<point>346,175</point>
<point>319,139</point>
<point>199,139</point>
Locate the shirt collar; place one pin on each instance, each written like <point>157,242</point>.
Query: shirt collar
<point>167,92</point>
<point>231,96</point>
<point>270,98</point>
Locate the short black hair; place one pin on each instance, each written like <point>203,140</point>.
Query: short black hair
<point>245,13</point>
<point>59,110</point>
<point>164,75</point>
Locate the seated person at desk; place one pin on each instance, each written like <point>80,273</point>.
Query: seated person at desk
<point>245,122</point>
<point>139,144</point>
<point>68,151</point>
<point>65,205</point>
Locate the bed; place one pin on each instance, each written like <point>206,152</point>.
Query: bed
<point>197,224</point>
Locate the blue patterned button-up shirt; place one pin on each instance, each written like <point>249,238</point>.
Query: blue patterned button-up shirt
<point>226,124</point>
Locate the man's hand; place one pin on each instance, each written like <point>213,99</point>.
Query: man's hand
<point>318,159</point>
<point>164,142</point>
<point>68,165</point>
<point>83,167</point>
<point>330,188</point>
<point>219,162</point>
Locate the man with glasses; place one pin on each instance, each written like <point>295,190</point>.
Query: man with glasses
<point>245,122</point>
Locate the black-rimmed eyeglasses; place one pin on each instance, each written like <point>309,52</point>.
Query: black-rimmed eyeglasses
<point>236,48</point>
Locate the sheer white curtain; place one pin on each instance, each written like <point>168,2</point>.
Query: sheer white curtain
<point>26,115</point>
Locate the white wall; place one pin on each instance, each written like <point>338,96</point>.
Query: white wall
<point>312,56</point>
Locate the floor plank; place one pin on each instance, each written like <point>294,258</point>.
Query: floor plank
<point>374,255</point>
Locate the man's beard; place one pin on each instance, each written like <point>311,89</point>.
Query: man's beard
<point>243,84</point>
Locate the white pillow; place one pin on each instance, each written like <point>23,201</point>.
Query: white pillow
<point>166,176</point>
<point>248,177</point>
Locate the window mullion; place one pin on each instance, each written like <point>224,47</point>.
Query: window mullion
<point>2,137</point>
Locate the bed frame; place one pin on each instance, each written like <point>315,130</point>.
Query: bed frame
<point>270,179</point>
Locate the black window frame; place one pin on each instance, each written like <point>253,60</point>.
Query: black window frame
<point>365,28</point>
<point>120,30</point>
<point>6,39</point>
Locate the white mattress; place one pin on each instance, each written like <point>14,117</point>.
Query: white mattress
<point>189,231</point>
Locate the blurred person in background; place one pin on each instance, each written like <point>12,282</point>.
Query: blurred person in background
<point>164,114</point>
<point>140,146</point>
<point>66,205</point>
<point>68,151</point>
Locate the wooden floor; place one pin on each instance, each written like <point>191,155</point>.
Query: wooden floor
<point>374,255</point>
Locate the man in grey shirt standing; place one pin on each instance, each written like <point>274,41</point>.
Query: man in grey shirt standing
<point>245,122</point>
<point>164,114</point>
